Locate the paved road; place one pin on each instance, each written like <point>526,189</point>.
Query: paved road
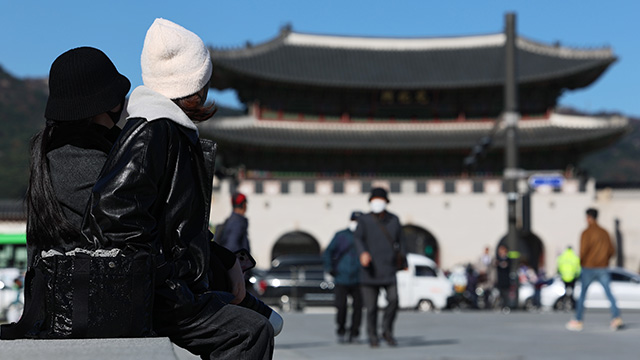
<point>465,336</point>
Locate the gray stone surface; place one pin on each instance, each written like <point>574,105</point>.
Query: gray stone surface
<point>93,349</point>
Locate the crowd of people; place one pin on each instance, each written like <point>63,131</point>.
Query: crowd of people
<point>485,284</point>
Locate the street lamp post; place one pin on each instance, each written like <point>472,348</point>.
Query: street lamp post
<point>510,119</point>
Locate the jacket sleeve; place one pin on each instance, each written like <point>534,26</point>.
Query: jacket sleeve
<point>119,212</point>
<point>401,238</point>
<point>245,240</point>
<point>359,237</point>
<point>612,249</point>
<point>327,255</point>
<point>227,258</point>
<point>234,233</point>
<point>583,247</point>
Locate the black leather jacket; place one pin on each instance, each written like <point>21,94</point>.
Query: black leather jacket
<point>154,193</point>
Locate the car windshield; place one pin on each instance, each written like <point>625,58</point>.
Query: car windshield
<point>422,270</point>
<point>615,276</point>
<point>298,267</point>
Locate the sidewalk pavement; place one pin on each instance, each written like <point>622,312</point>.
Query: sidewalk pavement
<point>465,336</point>
<point>424,336</point>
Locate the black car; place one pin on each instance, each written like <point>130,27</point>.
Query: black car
<point>295,281</point>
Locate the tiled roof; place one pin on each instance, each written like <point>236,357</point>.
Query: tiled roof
<point>414,63</point>
<point>557,130</point>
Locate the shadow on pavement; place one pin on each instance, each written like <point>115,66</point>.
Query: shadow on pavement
<point>303,345</point>
<point>414,341</point>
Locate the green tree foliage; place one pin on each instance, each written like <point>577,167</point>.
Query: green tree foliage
<point>617,163</point>
<point>22,104</point>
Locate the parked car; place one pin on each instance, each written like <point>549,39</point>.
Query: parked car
<point>423,286</point>
<point>294,282</point>
<point>625,286</point>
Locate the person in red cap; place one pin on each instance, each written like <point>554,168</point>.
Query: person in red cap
<point>232,234</point>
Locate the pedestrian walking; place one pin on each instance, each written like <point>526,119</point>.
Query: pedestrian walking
<point>341,261</point>
<point>596,250</point>
<point>503,282</point>
<point>486,277</point>
<point>569,270</point>
<point>233,233</point>
<point>381,248</point>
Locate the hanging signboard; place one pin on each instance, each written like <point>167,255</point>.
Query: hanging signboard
<point>553,180</point>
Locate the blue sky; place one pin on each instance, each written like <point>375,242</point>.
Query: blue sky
<point>34,33</point>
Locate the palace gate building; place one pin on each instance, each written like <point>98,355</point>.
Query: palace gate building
<point>326,118</point>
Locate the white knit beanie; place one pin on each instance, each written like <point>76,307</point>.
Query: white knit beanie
<point>175,62</point>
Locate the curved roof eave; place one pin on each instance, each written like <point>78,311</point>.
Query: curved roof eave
<point>559,130</point>
<point>558,75</point>
<point>313,55</point>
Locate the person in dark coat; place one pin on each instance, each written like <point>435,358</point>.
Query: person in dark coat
<point>232,235</point>
<point>378,237</point>
<point>234,231</point>
<point>155,190</point>
<point>341,261</point>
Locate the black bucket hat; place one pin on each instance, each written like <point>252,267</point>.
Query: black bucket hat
<point>379,193</point>
<point>83,82</point>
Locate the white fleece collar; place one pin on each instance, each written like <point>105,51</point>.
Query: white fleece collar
<point>148,104</point>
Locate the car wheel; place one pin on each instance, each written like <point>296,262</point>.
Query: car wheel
<point>528,304</point>
<point>425,305</point>
<point>563,304</point>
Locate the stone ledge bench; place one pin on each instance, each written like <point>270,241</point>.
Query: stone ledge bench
<point>159,348</point>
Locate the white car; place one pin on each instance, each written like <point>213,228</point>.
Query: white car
<point>625,286</point>
<point>422,286</point>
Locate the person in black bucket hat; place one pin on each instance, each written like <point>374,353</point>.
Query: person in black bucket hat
<point>380,243</point>
<point>86,97</point>
<point>83,83</point>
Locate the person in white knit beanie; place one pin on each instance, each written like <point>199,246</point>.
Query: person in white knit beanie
<point>155,191</point>
<point>175,62</point>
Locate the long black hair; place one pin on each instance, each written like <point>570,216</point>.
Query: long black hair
<point>46,224</point>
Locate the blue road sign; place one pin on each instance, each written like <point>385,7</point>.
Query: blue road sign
<point>552,180</point>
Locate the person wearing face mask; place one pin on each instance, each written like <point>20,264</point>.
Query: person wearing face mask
<point>378,237</point>
<point>341,261</point>
<point>154,192</point>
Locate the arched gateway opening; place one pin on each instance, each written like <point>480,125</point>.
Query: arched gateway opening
<point>295,242</point>
<point>420,241</point>
<point>531,249</point>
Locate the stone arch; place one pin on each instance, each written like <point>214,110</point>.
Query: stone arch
<point>420,241</point>
<point>531,249</point>
<point>295,242</point>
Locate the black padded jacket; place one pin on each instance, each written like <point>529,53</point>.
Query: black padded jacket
<point>154,194</point>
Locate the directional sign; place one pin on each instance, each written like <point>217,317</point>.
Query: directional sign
<point>552,180</point>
